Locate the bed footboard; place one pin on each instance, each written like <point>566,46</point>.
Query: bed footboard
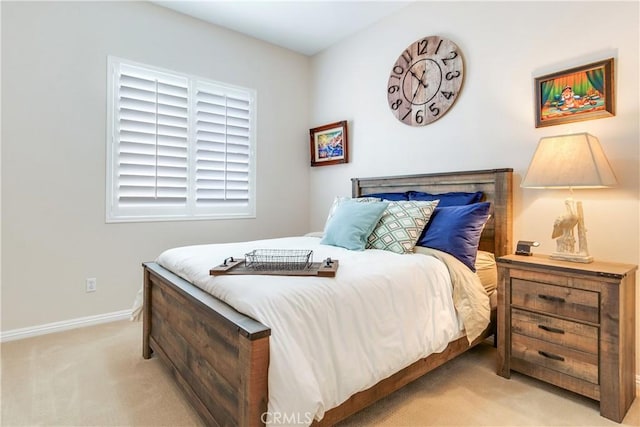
<point>218,356</point>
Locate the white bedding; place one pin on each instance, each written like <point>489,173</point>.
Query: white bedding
<point>332,337</point>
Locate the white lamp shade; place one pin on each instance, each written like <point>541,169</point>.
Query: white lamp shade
<point>569,161</point>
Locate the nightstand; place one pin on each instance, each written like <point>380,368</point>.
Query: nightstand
<point>571,325</point>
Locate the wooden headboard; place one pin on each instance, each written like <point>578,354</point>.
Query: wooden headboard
<point>495,184</point>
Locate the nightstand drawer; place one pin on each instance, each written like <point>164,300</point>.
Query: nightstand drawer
<point>575,363</point>
<point>573,335</point>
<point>562,301</point>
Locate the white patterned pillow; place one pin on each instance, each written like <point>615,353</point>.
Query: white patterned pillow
<point>401,225</point>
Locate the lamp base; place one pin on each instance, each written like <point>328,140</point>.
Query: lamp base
<point>585,259</point>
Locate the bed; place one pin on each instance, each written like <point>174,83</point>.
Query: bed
<point>220,357</point>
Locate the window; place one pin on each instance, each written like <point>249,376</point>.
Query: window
<point>178,146</point>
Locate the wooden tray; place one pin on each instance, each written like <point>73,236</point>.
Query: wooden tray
<point>236,266</point>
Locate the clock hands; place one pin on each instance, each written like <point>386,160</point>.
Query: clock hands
<point>414,95</point>
<point>410,107</point>
<point>420,78</point>
<point>421,83</point>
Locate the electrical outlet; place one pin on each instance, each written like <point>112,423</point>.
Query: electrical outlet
<point>92,284</point>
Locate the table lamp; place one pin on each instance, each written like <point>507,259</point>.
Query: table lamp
<point>570,161</point>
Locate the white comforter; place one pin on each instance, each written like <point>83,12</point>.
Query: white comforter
<point>332,337</point>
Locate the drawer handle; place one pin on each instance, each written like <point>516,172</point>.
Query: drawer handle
<point>550,356</point>
<point>550,298</point>
<point>550,329</point>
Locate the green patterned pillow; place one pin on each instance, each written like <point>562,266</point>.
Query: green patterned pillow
<point>401,225</point>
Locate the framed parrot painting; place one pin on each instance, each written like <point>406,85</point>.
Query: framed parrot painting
<point>580,93</point>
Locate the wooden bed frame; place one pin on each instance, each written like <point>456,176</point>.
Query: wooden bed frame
<point>220,357</point>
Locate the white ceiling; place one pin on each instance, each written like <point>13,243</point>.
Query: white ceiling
<point>307,27</point>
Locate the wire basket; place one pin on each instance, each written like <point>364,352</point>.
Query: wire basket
<point>279,259</point>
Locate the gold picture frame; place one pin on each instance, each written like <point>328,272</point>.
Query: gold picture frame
<point>581,93</point>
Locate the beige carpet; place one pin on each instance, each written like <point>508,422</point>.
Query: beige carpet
<point>96,377</point>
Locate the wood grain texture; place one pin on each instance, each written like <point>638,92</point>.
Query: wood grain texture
<point>253,364</point>
<point>592,303</point>
<point>559,358</point>
<point>560,301</point>
<point>217,356</point>
<point>146,315</point>
<point>503,327</point>
<point>220,357</point>
<point>573,335</point>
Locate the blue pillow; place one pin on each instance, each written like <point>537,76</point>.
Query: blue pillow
<point>456,230</point>
<point>396,197</point>
<point>455,198</point>
<point>352,223</point>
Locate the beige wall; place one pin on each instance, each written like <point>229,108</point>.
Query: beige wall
<point>505,45</point>
<point>54,64</point>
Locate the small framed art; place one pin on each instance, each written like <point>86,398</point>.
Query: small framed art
<point>580,93</point>
<point>329,144</point>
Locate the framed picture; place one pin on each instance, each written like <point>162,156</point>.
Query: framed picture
<point>580,93</point>
<point>329,144</point>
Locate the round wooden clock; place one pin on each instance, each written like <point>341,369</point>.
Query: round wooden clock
<point>425,81</point>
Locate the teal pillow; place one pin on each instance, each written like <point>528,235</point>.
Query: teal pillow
<point>341,199</point>
<point>352,223</point>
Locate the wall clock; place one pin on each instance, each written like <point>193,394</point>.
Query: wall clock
<point>425,81</point>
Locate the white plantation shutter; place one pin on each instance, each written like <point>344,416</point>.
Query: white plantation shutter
<point>179,147</point>
<point>223,146</point>
<point>152,127</point>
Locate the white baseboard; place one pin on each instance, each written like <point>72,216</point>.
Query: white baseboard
<point>65,325</point>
